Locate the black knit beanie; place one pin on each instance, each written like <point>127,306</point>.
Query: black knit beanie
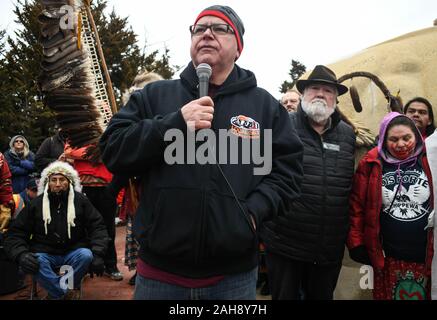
<point>230,16</point>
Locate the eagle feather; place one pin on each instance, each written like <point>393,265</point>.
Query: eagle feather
<point>67,80</point>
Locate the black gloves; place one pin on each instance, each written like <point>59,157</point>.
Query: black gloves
<point>360,255</point>
<point>28,261</point>
<point>97,266</point>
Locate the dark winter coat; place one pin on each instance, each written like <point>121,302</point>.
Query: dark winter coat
<point>49,151</point>
<point>21,169</point>
<point>316,226</point>
<point>188,221</point>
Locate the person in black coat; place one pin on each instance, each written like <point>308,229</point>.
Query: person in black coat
<point>50,150</point>
<point>305,247</point>
<point>197,218</point>
<point>59,228</point>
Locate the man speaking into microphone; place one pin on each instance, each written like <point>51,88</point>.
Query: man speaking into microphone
<point>197,222</point>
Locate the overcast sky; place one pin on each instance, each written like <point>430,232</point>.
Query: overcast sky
<point>312,31</point>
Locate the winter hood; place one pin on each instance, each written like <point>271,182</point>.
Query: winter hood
<point>26,145</point>
<point>239,79</point>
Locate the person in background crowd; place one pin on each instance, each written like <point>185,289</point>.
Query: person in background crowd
<point>6,200</point>
<point>101,189</point>
<point>139,82</point>
<point>290,100</point>
<point>26,196</point>
<point>431,149</point>
<point>51,149</point>
<point>21,162</point>
<point>420,111</point>
<point>390,207</point>
<point>305,247</point>
<point>132,194</point>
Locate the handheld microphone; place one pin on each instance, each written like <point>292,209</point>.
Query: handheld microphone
<point>203,72</point>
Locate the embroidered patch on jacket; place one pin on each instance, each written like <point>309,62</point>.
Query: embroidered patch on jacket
<point>245,127</point>
<point>409,288</point>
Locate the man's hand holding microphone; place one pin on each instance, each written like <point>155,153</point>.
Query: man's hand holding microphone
<point>198,114</point>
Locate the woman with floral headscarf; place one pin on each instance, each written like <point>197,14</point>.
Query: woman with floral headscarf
<point>391,208</point>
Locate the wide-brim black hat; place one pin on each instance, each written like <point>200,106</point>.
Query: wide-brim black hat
<point>321,74</point>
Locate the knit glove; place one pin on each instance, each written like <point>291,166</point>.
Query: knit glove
<point>97,266</point>
<point>28,261</point>
<point>5,217</point>
<point>359,254</point>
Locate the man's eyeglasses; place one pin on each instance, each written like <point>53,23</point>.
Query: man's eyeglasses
<point>19,141</point>
<point>220,29</point>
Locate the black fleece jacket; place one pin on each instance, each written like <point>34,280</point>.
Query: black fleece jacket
<point>188,221</point>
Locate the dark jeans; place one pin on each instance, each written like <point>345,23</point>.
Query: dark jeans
<point>296,280</point>
<point>106,204</point>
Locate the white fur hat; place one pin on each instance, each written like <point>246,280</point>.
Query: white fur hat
<point>59,167</point>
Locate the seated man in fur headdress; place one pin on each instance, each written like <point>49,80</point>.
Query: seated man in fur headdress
<point>60,227</point>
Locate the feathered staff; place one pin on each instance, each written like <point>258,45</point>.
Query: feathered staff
<point>71,77</point>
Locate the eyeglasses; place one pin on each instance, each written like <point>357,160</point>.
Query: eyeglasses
<point>219,29</point>
<point>20,141</point>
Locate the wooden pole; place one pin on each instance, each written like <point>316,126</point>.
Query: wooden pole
<point>102,59</point>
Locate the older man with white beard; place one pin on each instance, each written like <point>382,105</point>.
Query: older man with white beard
<point>305,246</point>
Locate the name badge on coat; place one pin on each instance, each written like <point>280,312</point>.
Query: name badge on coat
<point>330,146</point>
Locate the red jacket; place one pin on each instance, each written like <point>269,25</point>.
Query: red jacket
<point>365,208</point>
<point>85,167</point>
<point>5,182</point>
